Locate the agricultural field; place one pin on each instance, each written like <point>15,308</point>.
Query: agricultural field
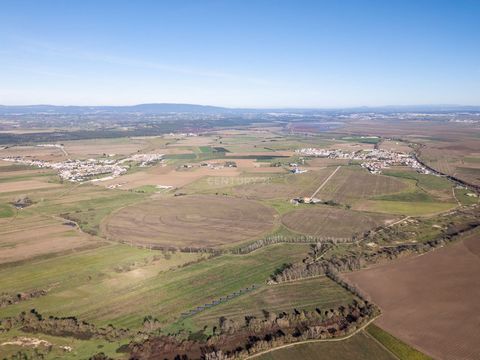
<point>173,248</point>
<point>330,222</point>
<point>421,297</point>
<point>321,293</point>
<point>182,221</point>
<point>358,347</point>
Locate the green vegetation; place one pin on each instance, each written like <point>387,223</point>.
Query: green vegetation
<point>88,280</point>
<point>461,195</point>
<point>321,293</point>
<point>414,196</point>
<point>427,182</point>
<point>363,139</point>
<point>358,347</point>
<point>399,348</point>
<point>81,349</point>
<point>6,211</point>
<point>409,208</point>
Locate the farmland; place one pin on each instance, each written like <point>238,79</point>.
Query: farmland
<point>218,240</point>
<point>329,221</point>
<point>358,347</point>
<point>420,296</point>
<point>182,221</point>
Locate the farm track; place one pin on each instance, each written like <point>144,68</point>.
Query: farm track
<point>315,341</point>
<point>325,182</point>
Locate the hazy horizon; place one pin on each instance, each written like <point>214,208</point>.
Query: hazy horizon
<point>261,54</point>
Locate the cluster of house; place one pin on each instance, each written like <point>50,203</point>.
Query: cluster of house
<point>90,169</point>
<point>212,165</point>
<point>180,135</point>
<point>143,159</point>
<point>295,169</point>
<point>374,160</point>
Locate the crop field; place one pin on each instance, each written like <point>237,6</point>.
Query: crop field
<point>168,175</point>
<point>394,345</point>
<point>358,347</point>
<point>139,281</point>
<point>421,299</point>
<point>460,159</point>
<point>321,293</point>
<point>118,255</point>
<point>182,221</point>
<point>329,221</point>
<point>351,184</point>
<point>285,187</point>
<point>23,238</point>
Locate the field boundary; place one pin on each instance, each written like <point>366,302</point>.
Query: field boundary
<point>325,181</point>
<point>315,340</point>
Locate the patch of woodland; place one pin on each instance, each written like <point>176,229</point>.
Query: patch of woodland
<point>235,340</point>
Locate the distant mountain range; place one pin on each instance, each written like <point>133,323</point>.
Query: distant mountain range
<point>162,108</point>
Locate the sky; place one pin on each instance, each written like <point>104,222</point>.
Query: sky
<point>240,53</point>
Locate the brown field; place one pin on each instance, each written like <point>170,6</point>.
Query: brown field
<point>322,162</point>
<point>34,152</point>
<point>330,221</point>
<point>350,184</point>
<point>24,238</point>
<point>15,171</point>
<point>167,175</point>
<point>458,159</point>
<point>431,301</point>
<point>98,147</point>
<point>25,185</point>
<point>190,221</point>
<point>393,145</point>
<point>285,187</point>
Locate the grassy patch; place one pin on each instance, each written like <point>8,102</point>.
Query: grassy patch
<point>309,294</point>
<point>412,208</point>
<point>358,347</point>
<point>399,348</point>
<point>6,211</point>
<point>427,182</point>
<point>363,139</point>
<point>461,195</point>
<point>415,196</point>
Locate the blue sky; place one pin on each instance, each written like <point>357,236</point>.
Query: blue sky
<point>240,53</point>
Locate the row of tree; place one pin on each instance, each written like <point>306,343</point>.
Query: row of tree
<point>234,340</point>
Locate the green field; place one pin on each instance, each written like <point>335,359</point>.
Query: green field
<point>88,281</point>
<point>412,208</point>
<point>358,347</point>
<point>401,350</point>
<point>321,293</point>
<point>6,211</point>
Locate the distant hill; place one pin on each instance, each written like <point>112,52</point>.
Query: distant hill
<point>163,108</point>
<point>141,108</point>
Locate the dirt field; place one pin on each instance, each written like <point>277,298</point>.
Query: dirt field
<point>350,184</point>
<point>34,152</point>
<point>98,147</point>
<point>168,175</point>
<point>431,301</point>
<point>26,185</point>
<point>285,187</point>
<point>24,238</point>
<point>185,221</point>
<point>330,221</point>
